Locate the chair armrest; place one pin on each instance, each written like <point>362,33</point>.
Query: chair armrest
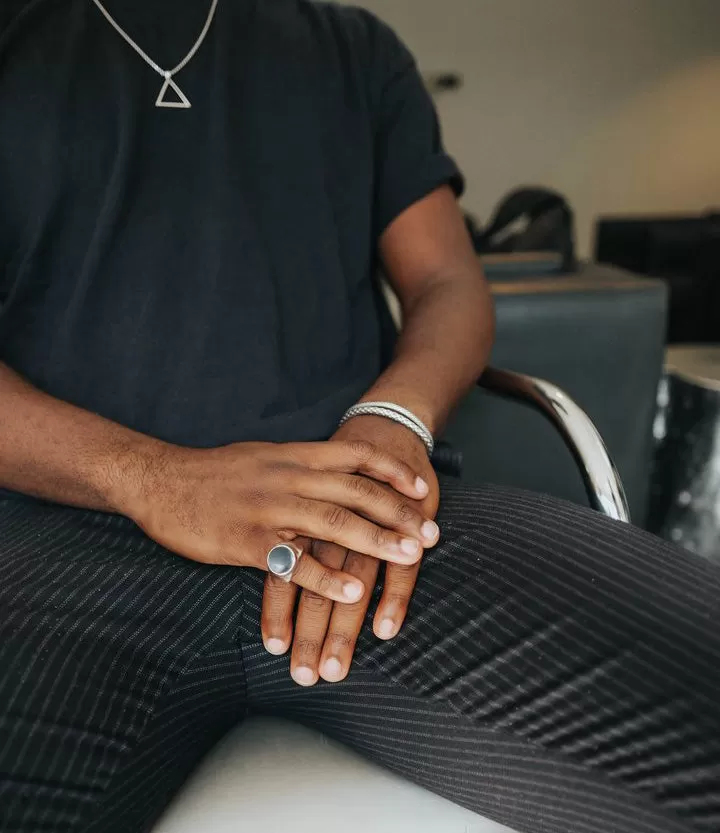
<point>602,481</point>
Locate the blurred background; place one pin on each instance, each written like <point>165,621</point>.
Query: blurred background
<point>612,102</point>
<point>589,133</point>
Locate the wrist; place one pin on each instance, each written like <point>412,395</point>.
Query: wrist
<point>133,470</point>
<point>394,413</point>
<point>417,405</point>
<point>386,432</point>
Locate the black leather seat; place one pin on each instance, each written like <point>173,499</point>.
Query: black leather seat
<point>598,334</point>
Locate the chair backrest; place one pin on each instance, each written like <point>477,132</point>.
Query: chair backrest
<point>599,335</point>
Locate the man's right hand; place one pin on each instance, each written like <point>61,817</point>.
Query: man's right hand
<point>231,505</point>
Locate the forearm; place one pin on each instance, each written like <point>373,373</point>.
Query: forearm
<point>56,451</point>
<point>445,343</point>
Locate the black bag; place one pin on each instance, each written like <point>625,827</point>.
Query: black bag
<point>530,220</point>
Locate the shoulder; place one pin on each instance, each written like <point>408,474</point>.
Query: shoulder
<point>355,24</point>
<point>362,29</point>
<point>348,34</point>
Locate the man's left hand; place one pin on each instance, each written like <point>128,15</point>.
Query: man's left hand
<point>325,633</point>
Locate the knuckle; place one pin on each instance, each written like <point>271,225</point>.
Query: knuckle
<point>325,581</point>
<point>395,466</point>
<point>397,597</point>
<point>404,512</point>
<point>403,577</point>
<point>306,646</point>
<point>281,594</point>
<point>363,487</point>
<point>336,517</point>
<point>341,640</point>
<point>314,602</point>
<point>363,450</point>
<point>379,537</point>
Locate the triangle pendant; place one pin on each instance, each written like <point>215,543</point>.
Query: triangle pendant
<point>181,102</point>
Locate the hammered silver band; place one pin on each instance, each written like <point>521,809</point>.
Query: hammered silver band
<point>396,413</point>
<point>283,559</point>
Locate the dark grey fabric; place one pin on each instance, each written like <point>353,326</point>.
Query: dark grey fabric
<point>600,335</point>
<point>559,672</point>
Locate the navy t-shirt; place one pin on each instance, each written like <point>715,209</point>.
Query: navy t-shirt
<point>204,275</point>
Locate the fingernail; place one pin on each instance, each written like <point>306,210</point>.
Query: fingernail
<point>353,591</point>
<point>304,675</point>
<point>276,646</point>
<point>430,530</point>
<point>421,486</point>
<point>332,670</point>
<point>410,546</point>
<point>386,629</point>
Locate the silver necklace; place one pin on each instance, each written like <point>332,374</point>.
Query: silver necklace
<point>167,74</point>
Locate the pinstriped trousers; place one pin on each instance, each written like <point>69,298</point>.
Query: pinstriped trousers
<point>558,672</point>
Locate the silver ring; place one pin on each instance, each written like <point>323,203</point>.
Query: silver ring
<point>282,560</point>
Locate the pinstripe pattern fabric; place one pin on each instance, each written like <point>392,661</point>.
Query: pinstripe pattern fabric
<point>558,672</point>
<point>102,631</point>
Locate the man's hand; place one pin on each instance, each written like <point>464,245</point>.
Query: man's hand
<point>232,505</point>
<point>325,634</point>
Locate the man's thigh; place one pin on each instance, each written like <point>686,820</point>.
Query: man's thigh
<point>554,665</point>
<point>535,589</point>
<point>100,631</point>
<point>583,637</point>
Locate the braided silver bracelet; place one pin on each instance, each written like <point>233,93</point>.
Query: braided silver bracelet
<point>396,413</point>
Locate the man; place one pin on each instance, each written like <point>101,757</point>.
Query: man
<point>192,209</point>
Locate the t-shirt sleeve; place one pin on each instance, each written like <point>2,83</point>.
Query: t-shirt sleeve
<point>410,160</point>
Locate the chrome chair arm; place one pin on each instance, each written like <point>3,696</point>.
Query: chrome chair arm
<point>602,482</point>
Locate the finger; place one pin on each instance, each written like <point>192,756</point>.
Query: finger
<point>309,573</point>
<point>400,581</point>
<point>330,522</point>
<point>312,620</point>
<point>347,620</point>
<point>278,605</point>
<point>327,582</point>
<point>365,458</point>
<point>277,614</point>
<point>373,501</point>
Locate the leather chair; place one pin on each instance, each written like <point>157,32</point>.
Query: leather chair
<point>327,787</point>
<point>599,333</point>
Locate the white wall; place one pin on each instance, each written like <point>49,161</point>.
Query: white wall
<point>614,102</point>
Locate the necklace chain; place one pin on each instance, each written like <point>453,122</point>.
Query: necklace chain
<point>166,73</point>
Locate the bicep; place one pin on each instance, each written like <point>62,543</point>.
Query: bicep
<point>427,244</point>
